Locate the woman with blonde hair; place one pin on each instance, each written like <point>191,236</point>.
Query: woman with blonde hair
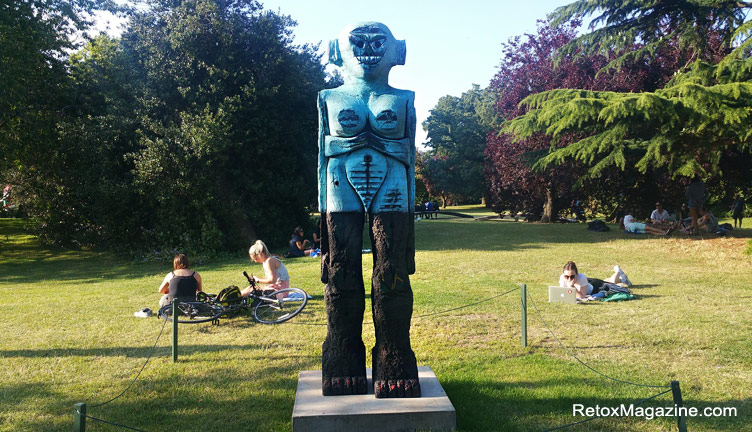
<point>275,273</point>
<point>181,282</point>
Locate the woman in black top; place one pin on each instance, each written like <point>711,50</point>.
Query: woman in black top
<point>181,282</point>
<point>298,246</point>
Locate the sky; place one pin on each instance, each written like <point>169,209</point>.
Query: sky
<point>451,44</point>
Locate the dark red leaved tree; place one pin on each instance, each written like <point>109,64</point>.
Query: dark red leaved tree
<point>528,67</point>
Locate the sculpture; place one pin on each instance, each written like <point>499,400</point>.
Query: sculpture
<point>366,167</point>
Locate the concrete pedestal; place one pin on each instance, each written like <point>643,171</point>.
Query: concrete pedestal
<point>364,413</point>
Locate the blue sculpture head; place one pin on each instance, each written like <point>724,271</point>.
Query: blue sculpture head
<point>367,50</point>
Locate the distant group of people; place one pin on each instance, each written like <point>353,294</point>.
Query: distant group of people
<point>427,210</point>
<point>692,217</point>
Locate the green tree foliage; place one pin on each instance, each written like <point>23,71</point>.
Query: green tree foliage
<point>686,126</point>
<point>195,130</point>
<point>527,67</point>
<point>36,99</point>
<point>453,165</point>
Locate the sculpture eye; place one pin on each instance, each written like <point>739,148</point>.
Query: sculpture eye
<point>377,44</point>
<point>358,42</point>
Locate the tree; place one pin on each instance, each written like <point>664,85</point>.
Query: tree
<point>453,165</point>
<point>227,123</point>
<point>192,131</point>
<point>528,67</point>
<point>686,125</point>
<point>36,101</point>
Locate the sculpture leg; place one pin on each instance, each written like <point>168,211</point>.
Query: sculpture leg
<point>395,371</point>
<point>343,362</point>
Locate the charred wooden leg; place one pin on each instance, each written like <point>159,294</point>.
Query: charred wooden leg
<point>392,303</point>
<point>343,352</point>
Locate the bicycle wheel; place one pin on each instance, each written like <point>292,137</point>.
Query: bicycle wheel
<point>280,306</point>
<point>193,312</point>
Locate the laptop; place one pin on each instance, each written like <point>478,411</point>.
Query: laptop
<point>557,294</point>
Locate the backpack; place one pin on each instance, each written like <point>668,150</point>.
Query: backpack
<point>598,225</point>
<point>229,296</point>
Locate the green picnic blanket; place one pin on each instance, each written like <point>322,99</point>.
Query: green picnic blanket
<point>619,296</point>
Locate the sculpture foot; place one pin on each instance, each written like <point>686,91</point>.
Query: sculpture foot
<point>401,388</point>
<point>338,386</point>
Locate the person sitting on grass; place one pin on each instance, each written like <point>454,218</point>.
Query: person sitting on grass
<point>683,220</point>
<point>275,277</point>
<point>571,278</point>
<point>630,224</point>
<point>659,215</point>
<point>316,236</point>
<point>708,222</point>
<point>181,282</point>
<point>298,246</point>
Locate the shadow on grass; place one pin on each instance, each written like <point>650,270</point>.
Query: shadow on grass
<point>523,406</point>
<point>219,401</point>
<point>482,236</point>
<point>24,260</point>
<point>130,352</point>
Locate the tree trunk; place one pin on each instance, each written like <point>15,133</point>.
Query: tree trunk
<point>549,213</point>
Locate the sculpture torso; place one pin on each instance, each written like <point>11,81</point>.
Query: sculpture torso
<point>367,142</point>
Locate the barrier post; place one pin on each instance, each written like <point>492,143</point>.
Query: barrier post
<point>174,330</point>
<point>681,421</point>
<point>523,290</point>
<point>79,417</point>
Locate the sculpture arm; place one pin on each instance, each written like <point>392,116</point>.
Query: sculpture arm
<point>323,160</point>
<point>323,132</point>
<point>410,126</point>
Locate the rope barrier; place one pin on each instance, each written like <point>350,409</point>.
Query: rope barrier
<point>139,372</point>
<point>583,363</point>
<point>151,352</point>
<point>424,315</point>
<point>467,305</point>
<point>110,423</point>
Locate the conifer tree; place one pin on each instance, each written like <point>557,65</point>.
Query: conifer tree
<point>686,126</point>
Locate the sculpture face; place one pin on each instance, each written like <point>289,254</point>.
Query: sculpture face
<point>368,50</point>
<point>368,45</point>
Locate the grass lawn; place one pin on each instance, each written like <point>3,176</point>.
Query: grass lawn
<point>69,334</point>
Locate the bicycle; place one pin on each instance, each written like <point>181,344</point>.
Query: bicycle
<point>269,307</point>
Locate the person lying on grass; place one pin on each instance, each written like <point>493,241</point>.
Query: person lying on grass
<point>181,282</point>
<point>571,278</point>
<point>275,273</point>
<point>630,224</point>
